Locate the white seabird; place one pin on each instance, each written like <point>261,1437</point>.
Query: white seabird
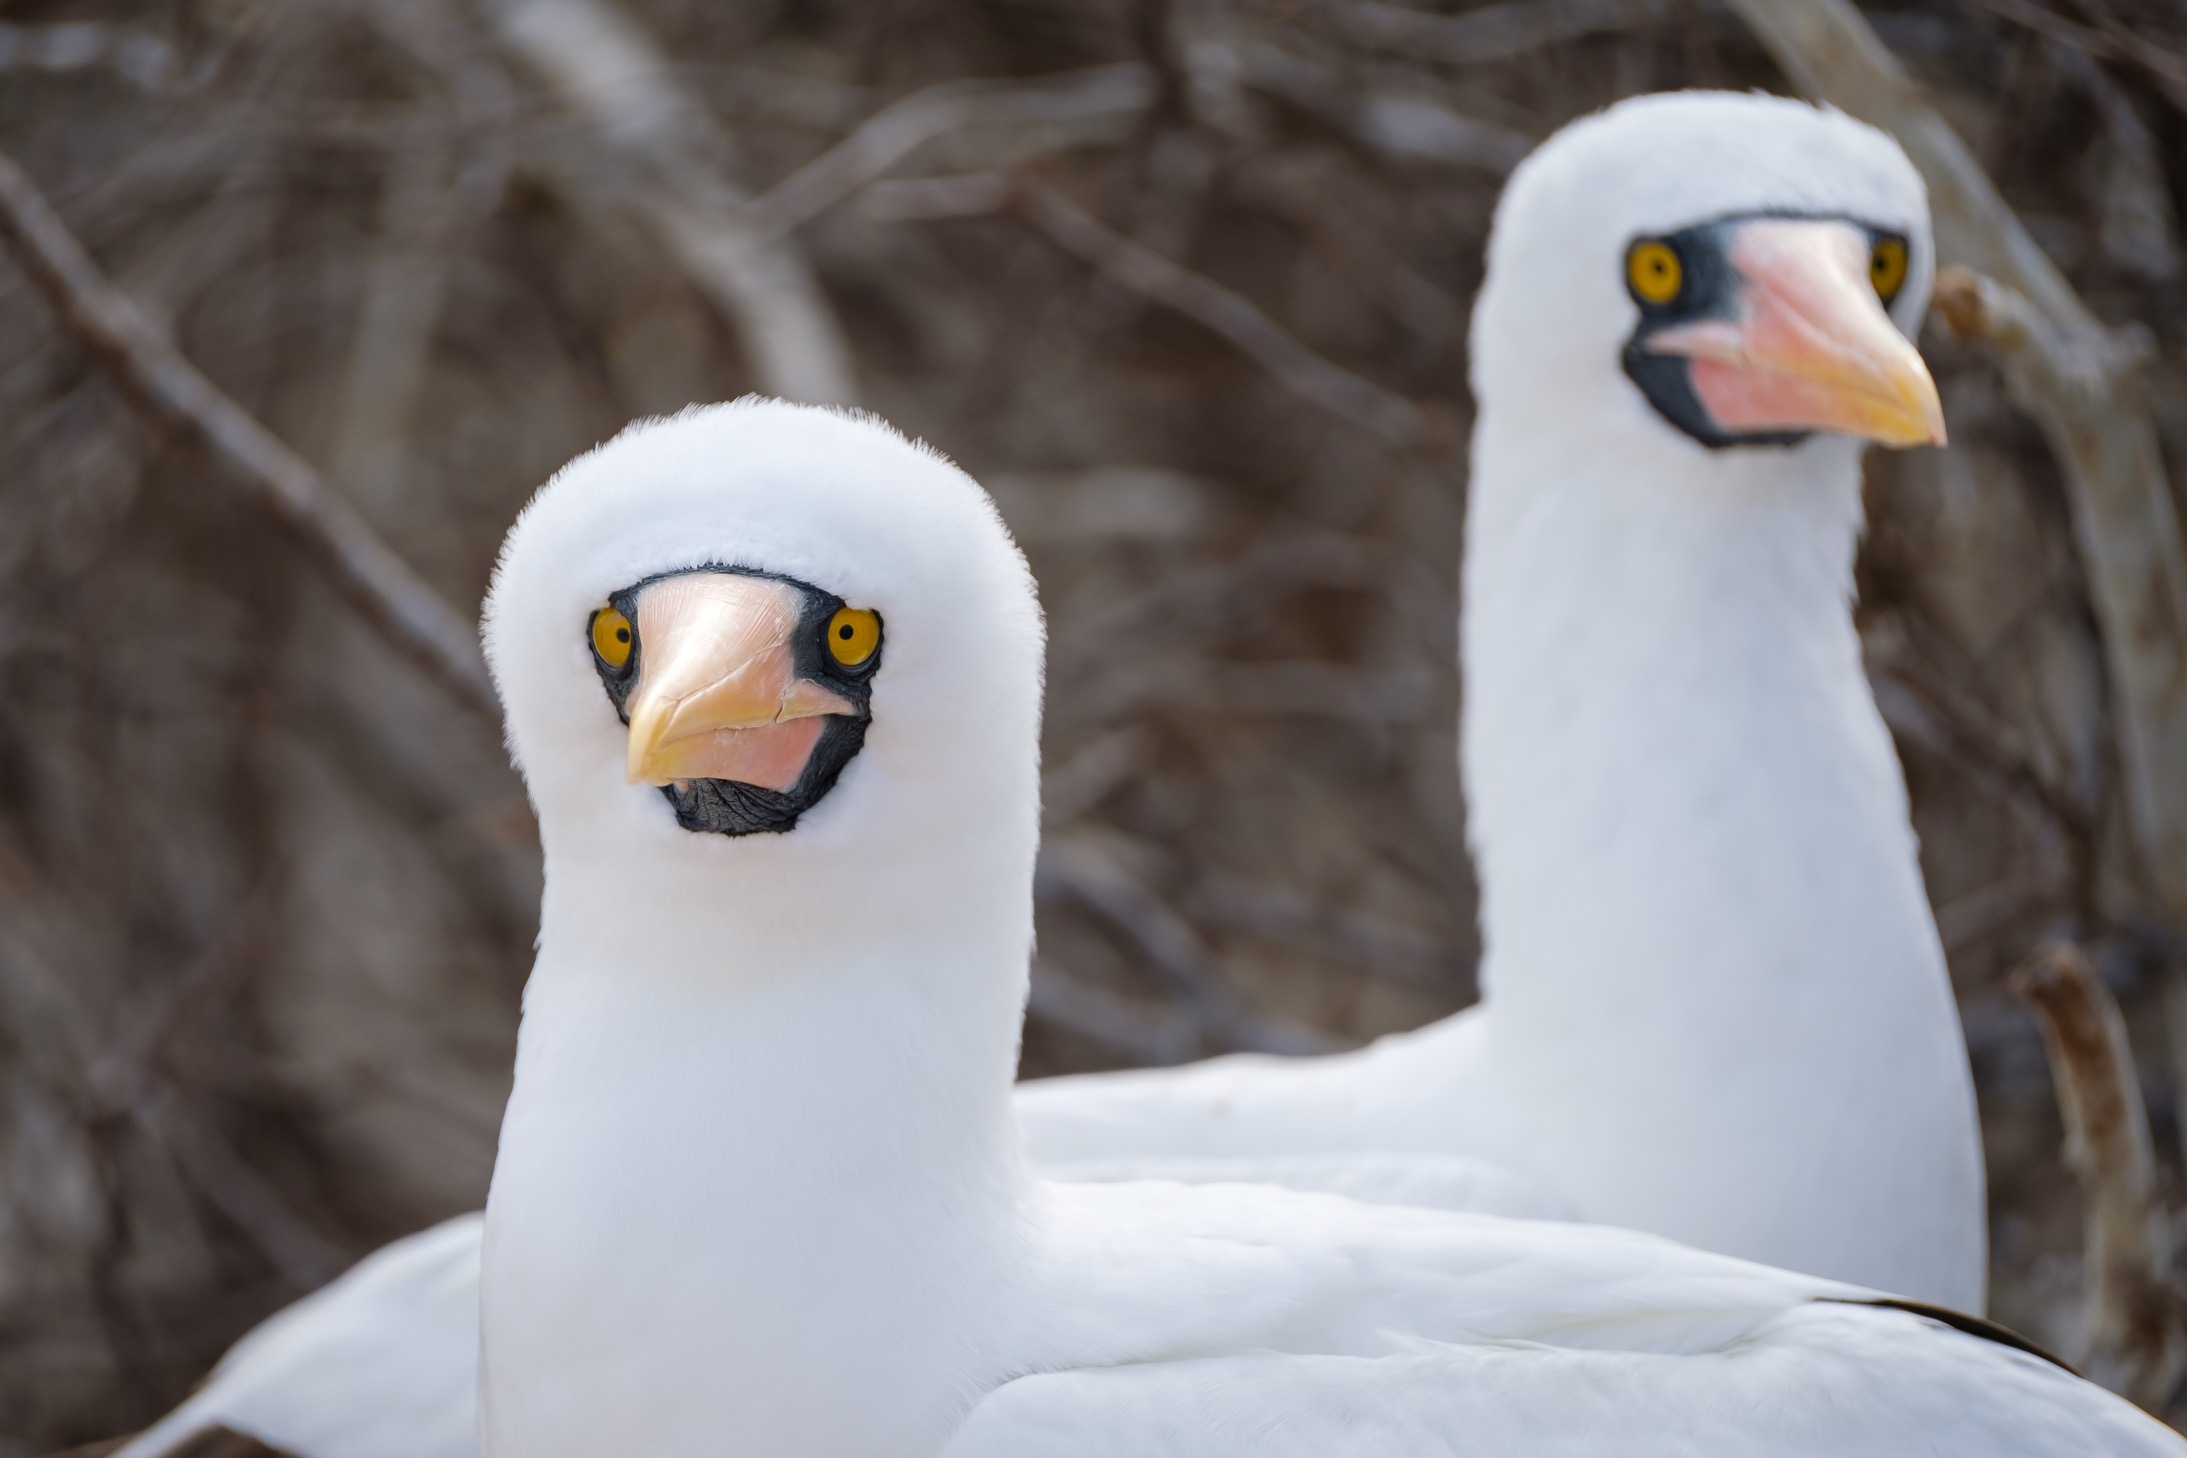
<point>1663,699</point>
<point>761,1186</point>
<point>1714,1003</point>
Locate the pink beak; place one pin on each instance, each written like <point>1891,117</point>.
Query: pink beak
<point>1811,347</point>
<point>718,696</point>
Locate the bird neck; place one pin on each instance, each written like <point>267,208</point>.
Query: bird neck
<point>759,1171</point>
<point>1690,823</point>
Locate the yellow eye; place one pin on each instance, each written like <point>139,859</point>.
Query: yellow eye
<point>1887,267</point>
<point>611,637</point>
<point>853,634</point>
<point>1654,272</point>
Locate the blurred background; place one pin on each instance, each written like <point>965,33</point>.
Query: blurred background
<point>1184,282</point>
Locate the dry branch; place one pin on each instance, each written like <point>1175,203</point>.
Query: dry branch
<point>1402,126</point>
<point>1495,32</point>
<point>613,76</point>
<point>366,571</point>
<point>2085,391</point>
<point>1055,111</point>
<point>437,185</point>
<point>2081,381</point>
<point>1149,1038</point>
<point>2132,1339</point>
<point>1081,869</point>
<point>2110,43</point>
<point>929,199</point>
<point>1140,269</point>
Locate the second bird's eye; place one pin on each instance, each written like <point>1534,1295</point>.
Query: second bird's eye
<point>1653,271</point>
<point>611,637</point>
<point>1887,267</point>
<point>853,634</point>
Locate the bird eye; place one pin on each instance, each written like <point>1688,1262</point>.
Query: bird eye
<point>1654,272</point>
<point>611,637</point>
<point>1887,267</point>
<point>853,634</point>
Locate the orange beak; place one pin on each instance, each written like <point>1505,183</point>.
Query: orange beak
<point>718,694</point>
<point>1811,347</point>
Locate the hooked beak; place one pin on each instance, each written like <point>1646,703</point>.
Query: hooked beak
<point>1810,346</point>
<point>718,693</point>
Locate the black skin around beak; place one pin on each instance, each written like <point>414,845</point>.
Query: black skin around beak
<point>724,806</point>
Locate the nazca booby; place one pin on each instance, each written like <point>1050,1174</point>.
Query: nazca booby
<point>1714,1001</point>
<point>1706,931</point>
<point>761,1186</point>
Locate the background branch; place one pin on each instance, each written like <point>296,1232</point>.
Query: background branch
<point>1495,32</point>
<point>364,569</point>
<point>2132,1340</point>
<point>610,73</point>
<point>1040,115</point>
<point>1348,396</point>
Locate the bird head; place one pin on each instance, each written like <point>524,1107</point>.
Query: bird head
<point>1731,271</point>
<point>770,633</point>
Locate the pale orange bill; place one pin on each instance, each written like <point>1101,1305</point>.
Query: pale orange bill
<point>1811,347</point>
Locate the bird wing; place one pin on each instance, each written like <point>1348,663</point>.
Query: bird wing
<point>382,1363</point>
<point>1819,1380</point>
<point>1378,1177</point>
<point>1419,1090</point>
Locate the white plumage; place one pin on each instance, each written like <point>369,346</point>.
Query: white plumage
<point>760,1183</point>
<point>761,1188</point>
<point>1716,1004</point>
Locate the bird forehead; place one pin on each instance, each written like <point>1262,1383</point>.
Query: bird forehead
<point>874,517</point>
<point>1680,161</point>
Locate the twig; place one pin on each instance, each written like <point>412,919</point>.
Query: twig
<point>1076,785</point>
<point>929,199</point>
<point>611,74</point>
<point>1348,396</point>
<point>2132,1339</point>
<point>1967,918</point>
<point>2081,381</point>
<point>1080,868</point>
<point>1148,1039</point>
<point>1494,32</point>
<point>366,571</point>
<point>391,345</point>
<point>2173,994</point>
<point>1376,945</point>
<point>2084,392</point>
<point>1401,126</point>
<point>1071,108</point>
<point>308,1259</point>
<point>436,187</point>
<point>1221,593</point>
<point>2112,43</point>
<point>1379,696</point>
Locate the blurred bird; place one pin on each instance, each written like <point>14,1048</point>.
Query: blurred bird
<point>773,677</point>
<point>1716,1006</point>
